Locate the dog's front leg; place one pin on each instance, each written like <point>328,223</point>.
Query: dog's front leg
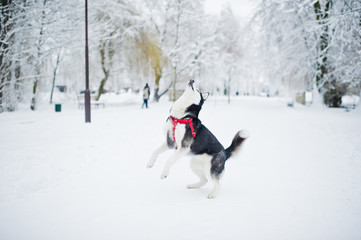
<point>177,155</point>
<point>159,150</point>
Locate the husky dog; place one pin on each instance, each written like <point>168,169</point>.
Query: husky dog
<point>187,135</point>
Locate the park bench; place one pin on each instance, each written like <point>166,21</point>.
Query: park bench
<point>93,101</point>
<point>349,107</point>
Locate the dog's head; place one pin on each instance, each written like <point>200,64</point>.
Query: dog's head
<point>190,103</point>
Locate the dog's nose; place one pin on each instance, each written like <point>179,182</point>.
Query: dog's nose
<point>190,83</point>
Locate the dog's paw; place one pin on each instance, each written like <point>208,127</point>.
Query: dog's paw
<point>196,185</point>
<point>149,165</point>
<point>212,196</point>
<point>164,175</point>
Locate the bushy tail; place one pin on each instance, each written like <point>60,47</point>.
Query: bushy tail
<point>236,143</point>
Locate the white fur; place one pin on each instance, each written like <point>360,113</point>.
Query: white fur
<point>244,134</point>
<point>200,165</point>
<point>180,152</point>
<point>189,97</point>
<point>156,153</point>
<point>179,132</point>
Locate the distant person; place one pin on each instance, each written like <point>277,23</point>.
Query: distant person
<point>146,94</point>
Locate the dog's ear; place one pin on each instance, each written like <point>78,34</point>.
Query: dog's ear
<point>205,95</point>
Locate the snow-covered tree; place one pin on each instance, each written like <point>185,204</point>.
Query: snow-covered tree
<point>177,42</point>
<point>38,31</point>
<point>305,45</point>
<point>10,61</point>
<point>230,48</point>
<point>111,24</point>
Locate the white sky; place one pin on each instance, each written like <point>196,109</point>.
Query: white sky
<point>241,8</point>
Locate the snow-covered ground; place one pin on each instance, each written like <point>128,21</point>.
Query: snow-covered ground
<point>297,176</point>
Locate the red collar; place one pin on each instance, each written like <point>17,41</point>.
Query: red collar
<point>175,121</point>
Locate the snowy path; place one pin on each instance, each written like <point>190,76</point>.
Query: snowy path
<point>297,177</point>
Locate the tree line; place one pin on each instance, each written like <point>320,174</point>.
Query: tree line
<point>286,45</point>
<point>131,42</point>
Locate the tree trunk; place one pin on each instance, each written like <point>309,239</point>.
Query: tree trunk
<point>229,90</point>
<point>321,16</point>
<point>174,82</point>
<point>175,60</point>
<point>5,64</point>
<point>54,76</point>
<point>158,75</point>
<point>33,99</point>
<point>164,92</point>
<point>105,71</point>
<point>38,61</point>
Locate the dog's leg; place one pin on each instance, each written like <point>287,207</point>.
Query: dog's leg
<point>159,150</point>
<point>197,166</point>
<point>177,155</point>
<point>215,191</point>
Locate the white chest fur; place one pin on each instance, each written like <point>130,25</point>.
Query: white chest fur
<point>179,131</point>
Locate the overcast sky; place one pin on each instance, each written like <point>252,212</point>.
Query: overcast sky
<point>241,8</point>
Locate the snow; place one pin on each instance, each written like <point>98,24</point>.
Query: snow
<point>350,100</point>
<point>296,177</point>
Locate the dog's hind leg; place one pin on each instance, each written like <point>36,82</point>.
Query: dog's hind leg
<point>216,170</point>
<point>216,187</point>
<point>180,152</point>
<point>197,165</point>
<point>159,150</point>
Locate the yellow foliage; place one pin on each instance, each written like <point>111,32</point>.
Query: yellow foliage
<point>149,45</point>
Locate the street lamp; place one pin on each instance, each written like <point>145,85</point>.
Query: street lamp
<point>87,91</point>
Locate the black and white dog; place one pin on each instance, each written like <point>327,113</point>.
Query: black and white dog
<point>187,135</point>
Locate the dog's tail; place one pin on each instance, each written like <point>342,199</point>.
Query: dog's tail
<point>236,143</point>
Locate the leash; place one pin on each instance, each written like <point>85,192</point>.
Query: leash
<point>175,121</point>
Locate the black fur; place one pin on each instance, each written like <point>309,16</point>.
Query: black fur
<point>194,109</point>
<point>217,164</point>
<point>235,145</point>
<point>206,142</point>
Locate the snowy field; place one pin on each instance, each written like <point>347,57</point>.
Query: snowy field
<point>298,176</point>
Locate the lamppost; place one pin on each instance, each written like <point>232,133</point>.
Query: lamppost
<point>87,91</point>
